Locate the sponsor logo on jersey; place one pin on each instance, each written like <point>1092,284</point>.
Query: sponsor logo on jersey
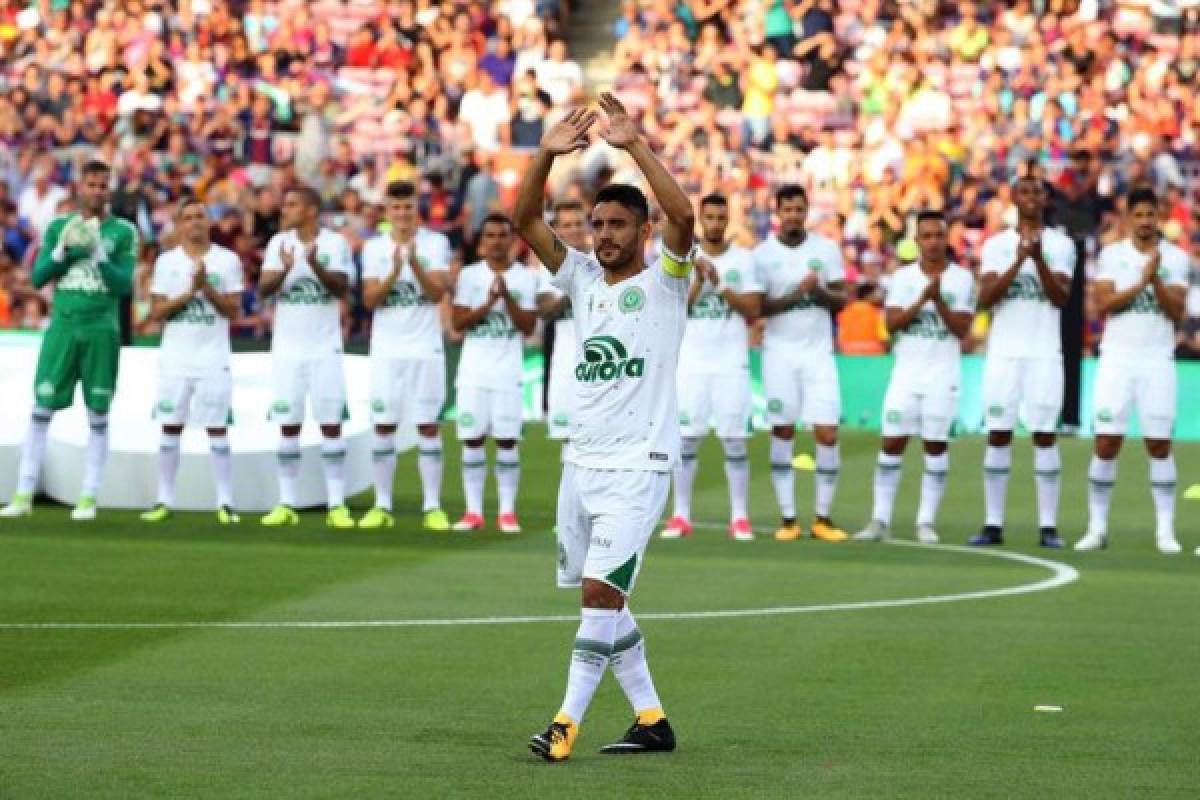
<point>306,291</point>
<point>405,295</point>
<point>495,325</point>
<point>605,359</point>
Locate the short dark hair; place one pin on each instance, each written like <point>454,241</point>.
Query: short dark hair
<point>625,195</point>
<point>401,190</point>
<point>1141,195</point>
<point>930,214</point>
<point>496,218</point>
<point>95,167</point>
<point>714,199</point>
<point>790,191</point>
<point>310,196</point>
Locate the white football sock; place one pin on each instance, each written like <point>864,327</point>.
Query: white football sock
<point>1162,489</point>
<point>783,477</point>
<point>474,468</point>
<point>33,451</point>
<point>829,467</point>
<point>429,465</point>
<point>997,461</point>
<point>887,482</point>
<point>383,467</point>
<point>168,467</point>
<point>333,458</point>
<point>589,658</point>
<point>508,477</point>
<point>288,457</point>
<point>685,476</point>
<point>737,473</point>
<point>1047,472</point>
<point>222,464</point>
<point>629,664</point>
<point>96,455</point>
<point>1102,475</point>
<point>933,487</point>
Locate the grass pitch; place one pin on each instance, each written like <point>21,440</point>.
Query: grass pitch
<point>921,702</point>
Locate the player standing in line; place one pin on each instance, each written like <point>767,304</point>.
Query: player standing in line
<point>1141,284</point>
<point>570,225</point>
<point>91,255</point>
<point>714,368</point>
<point>405,276</point>
<point>310,267</point>
<point>196,291</point>
<point>930,305</point>
<point>1025,275</point>
<point>802,277</point>
<point>495,305</point>
<point>625,440</point>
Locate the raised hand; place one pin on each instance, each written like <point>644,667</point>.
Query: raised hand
<point>310,254</point>
<point>622,131</point>
<point>287,257</point>
<point>199,276</point>
<point>398,259</point>
<point>1151,267</point>
<point>570,133</point>
<point>498,290</point>
<point>808,284</point>
<point>707,271</point>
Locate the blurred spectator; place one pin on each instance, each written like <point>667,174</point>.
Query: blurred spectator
<point>860,325</point>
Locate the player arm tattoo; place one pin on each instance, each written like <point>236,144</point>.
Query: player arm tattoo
<point>527,215</point>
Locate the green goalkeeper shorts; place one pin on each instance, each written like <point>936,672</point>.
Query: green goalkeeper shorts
<point>74,349</point>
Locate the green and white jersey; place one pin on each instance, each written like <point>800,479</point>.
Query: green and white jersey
<point>82,288</point>
<point>779,269</point>
<point>926,344</point>
<point>1025,324</point>
<point>717,338</point>
<point>1141,329</point>
<point>307,316</point>
<point>196,340</point>
<point>626,415</point>
<point>407,325</point>
<point>493,351</point>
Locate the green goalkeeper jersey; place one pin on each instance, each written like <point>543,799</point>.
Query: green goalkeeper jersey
<point>93,267</point>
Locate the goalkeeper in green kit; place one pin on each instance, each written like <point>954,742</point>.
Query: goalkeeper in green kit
<point>91,256</point>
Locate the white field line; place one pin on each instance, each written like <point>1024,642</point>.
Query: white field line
<point>1061,575</point>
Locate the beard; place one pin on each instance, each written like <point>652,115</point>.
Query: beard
<point>617,257</point>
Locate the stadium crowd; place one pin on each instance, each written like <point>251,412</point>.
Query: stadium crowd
<point>881,108</point>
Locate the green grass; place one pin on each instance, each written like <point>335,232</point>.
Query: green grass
<point>920,702</point>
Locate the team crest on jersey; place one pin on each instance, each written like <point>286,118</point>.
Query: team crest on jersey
<point>323,260</point>
<point>815,265</point>
<point>774,405</point>
<point>378,405</point>
<point>684,419</point>
<point>733,277</point>
<point>466,419</point>
<point>892,417</point>
<point>605,359</point>
<point>996,411</point>
<point>45,389</point>
<point>632,299</point>
<point>1104,415</point>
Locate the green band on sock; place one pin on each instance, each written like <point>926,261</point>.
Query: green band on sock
<point>593,646</point>
<point>626,642</point>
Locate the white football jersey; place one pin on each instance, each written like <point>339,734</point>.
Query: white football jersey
<point>927,344</point>
<point>1141,328</point>
<point>779,269</point>
<point>407,324</point>
<point>626,413</point>
<point>1025,324</point>
<point>307,316</point>
<point>196,340</point>
<point>493,351</point>
<point>717,338</point>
